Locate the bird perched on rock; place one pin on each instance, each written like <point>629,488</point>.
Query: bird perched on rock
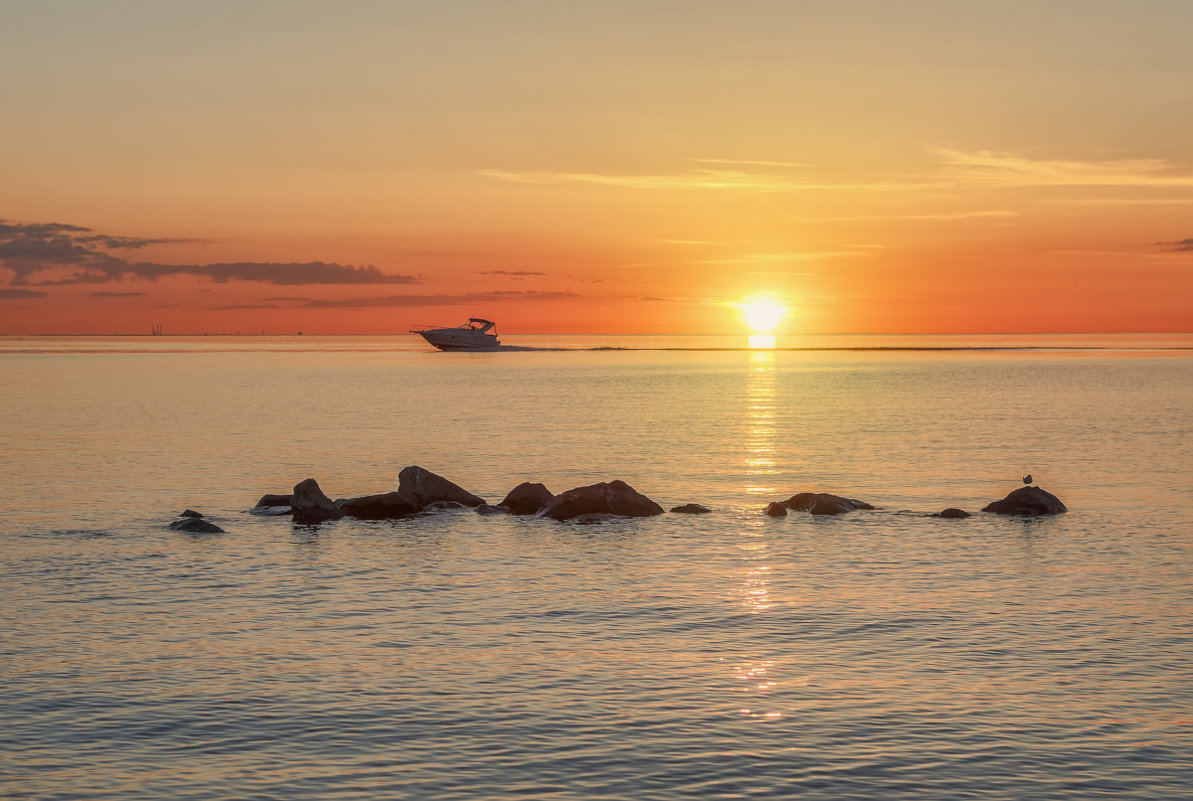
<point>1027,479</point>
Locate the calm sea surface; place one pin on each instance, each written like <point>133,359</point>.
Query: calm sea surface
<point>879,655</point>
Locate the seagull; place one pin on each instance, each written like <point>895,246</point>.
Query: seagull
<point>1027,479</point>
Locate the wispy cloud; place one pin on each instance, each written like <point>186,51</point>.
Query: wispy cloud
<point>117,294</point>
<point>1008,169</point>
<point>20,294</point>
<point>795,256</point>
<point>30,249</point>
<point>751,162</point>
<point>711,180</point>
<point>1179,246</point>
<point>402,301</point>
<point>991,214</point>
<point>514,273</point>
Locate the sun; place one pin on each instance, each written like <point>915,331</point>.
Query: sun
<point>762,313</point>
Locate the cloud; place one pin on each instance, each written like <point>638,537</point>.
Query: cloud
<point>718,180</point>
<point>1180,246</point>
<point>33,248</point>
<point>1008,169</point>
<point>20,294</point>
<point>751,162</point>
<point>391,301</point>
<point>960,215</point>
<point>515,273</point>
<point>117,294</point>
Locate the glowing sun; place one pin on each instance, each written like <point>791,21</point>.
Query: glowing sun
<point>762,313</point>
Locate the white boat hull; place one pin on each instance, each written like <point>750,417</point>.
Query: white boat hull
<point>459,339</point>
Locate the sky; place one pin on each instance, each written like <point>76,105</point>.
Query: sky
<point>595,167</point>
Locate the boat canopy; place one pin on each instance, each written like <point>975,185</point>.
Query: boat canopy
<point>485,325</point>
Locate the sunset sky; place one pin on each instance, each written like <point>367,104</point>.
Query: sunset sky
<point>596,167</point>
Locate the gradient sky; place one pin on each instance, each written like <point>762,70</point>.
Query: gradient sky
<point>596,167</point>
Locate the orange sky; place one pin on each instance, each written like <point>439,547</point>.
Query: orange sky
<point>595,167</point>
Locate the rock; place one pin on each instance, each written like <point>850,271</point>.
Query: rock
<point>1027,502</point>
<point>691,509</point>
<point>190,513</point>
<point>527,498</point>
<point>310,505</point>
<point>386,506</point>
<point>489,509</point>
<point>444,506</point>
<point>610,498</point>
<point>196,525</point>
<point>822,503</point>
<point>953,514</point>
<point>776,509</point>
<point>273,500</point>
<point>425,488</point>
<point>269,511</point>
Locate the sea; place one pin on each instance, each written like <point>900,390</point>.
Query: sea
<point>882,654</point>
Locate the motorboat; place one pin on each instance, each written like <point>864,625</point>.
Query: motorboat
<point>476,334</point>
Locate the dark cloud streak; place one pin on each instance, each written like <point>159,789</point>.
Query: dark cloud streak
<point>29,249</point>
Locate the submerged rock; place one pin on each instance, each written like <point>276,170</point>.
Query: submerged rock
<point>425,488</point>
<point>609,498</point>
<point>196,525</point>
<point>190,513</point>
<point>527,498</point>
<point>691,509</point>
<point>273,500</point>
<point>776,509</point>
<point>310,505</point>
<point>1027,502</point>
<point>489,509</point>
<point>386,506</point>
<point>953,513</point>
<point>444,506</point>
<point>823,503</point>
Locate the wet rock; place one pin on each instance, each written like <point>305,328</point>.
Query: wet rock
<point>489,509</point>
<point>691,509</point>
<point>776,509</point>
<point>273,500</point>
<point>310,505</point>
<point>425,488</point>
<point>822,503</point>
<point>196,525</point>
<point>953,513</point>
<point>386,506</point>
<point>1027,502</point>
<point>444,506</point>
<point>527,498</point>
<point>190,513</point>
<point>610,498</point>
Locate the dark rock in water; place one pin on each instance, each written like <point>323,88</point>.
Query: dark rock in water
<point>822,503</point>
<point>691,509</point>
<point>190,513</point>
<point>443,506</point>
<point>273,500</point>
<point>776,509</point>
<point>269,511</point>
<point>527,498</point>
<point>310,505</point>
<point>489,509</point>
<point>953,513</point>
<point>196,525</point>
<point>1027,502</point>
<point>609,498</point>
<point>386,506</point>
<point>425,488</point>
